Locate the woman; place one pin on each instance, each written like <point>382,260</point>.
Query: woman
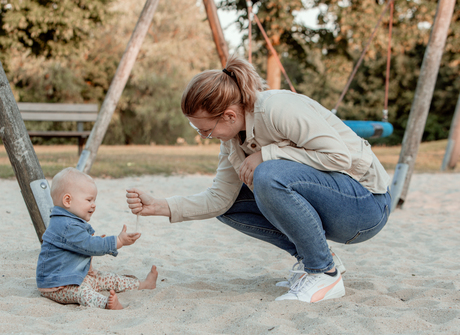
<point>290,173</point>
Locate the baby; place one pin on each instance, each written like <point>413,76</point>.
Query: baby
<point>64,271</point>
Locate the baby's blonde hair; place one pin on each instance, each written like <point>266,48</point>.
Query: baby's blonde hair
<point>63,182</point>
<point>213,91</point>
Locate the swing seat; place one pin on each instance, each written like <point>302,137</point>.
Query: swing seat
<point>370,129</point>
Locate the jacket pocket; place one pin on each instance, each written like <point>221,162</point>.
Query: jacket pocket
<point>366,234</point>
<point>362,161</point>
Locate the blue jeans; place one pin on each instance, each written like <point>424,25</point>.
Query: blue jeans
<point>297,208</point>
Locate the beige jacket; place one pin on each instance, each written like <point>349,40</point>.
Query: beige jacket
<point>285,125</point>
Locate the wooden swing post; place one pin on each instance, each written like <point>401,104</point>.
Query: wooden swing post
<point>249,4</point>
<point>421,104</point>
<point>13,132</point>
<point>453,144</point>
<point>216,29</point>
<point>117,85</point>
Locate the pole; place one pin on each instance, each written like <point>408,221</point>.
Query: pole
<point>387,77</point>
<point>217,33</point>
<point>22,156</point>
<point>249,4</point>
<point>453,145</point>
<point>117,85</point>
<point>421,103</point>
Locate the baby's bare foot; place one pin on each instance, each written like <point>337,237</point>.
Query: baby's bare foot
<point>151,281</point>
<point>113,302</point>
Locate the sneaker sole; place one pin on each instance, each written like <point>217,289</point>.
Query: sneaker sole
<point>283,284</point>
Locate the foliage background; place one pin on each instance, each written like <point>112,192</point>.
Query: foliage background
<point>319,57</point>
<point>68,51</point>
<point>68,60</point>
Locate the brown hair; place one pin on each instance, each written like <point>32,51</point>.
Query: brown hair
<point>214,91</point>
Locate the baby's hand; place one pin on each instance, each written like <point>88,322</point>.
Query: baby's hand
<point>126,239</point>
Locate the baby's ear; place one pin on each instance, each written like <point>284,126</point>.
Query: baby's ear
<point>66,199</point>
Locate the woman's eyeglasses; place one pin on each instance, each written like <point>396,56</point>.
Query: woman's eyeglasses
<point>201,134</point>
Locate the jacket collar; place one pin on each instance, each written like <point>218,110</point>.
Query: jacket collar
<point>258,108</point>
<point>249,126</point>
<point>59,211</point>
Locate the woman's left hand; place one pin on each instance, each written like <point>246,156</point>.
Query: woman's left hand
<point>248,167</point>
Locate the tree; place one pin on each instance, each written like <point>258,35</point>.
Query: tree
<point>50,28</point>
<point>344,28</point>
<point>178,46</point>
<point>277,18</point>
<point>320,58</point>
<point>43,46</point>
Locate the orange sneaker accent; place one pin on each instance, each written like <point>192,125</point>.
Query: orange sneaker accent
<point>319,295</point>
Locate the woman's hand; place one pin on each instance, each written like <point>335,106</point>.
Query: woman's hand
<point>126,239</point>
<point>143,204</point>
<point>248,167</point>
<point>139,202</point>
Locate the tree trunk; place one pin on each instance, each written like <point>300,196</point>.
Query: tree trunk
<point>273,69</point>
<point>273,73</point>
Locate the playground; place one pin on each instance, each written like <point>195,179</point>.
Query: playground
<point>405,282</point>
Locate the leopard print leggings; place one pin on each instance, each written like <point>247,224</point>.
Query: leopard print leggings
<point>87,294</point>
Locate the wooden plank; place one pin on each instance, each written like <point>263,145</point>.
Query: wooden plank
<point>36,133</point>
<point>56,107</point>
<point>69,116</point>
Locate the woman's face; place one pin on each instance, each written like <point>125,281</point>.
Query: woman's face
<point>224,127</point>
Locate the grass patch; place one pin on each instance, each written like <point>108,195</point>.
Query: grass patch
<point>429,157</point>
<point>137,160</point>
<point>124,161</point>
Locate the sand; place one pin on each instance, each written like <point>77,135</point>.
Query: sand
<point>214,280</point>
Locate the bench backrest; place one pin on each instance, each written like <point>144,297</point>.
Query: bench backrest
<point>35,111</point>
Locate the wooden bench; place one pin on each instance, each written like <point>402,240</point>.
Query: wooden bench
<point>34,111</point>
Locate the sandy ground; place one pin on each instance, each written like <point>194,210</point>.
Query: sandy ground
<point>214,280</point>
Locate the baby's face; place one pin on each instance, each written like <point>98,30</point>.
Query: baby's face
<point>83,202</point>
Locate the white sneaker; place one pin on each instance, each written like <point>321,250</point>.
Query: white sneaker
<point>315,287</point>
<point>296,273</point>
<point>338,262</point>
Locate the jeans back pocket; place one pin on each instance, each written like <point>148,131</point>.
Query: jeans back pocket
<point>366,234</point>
